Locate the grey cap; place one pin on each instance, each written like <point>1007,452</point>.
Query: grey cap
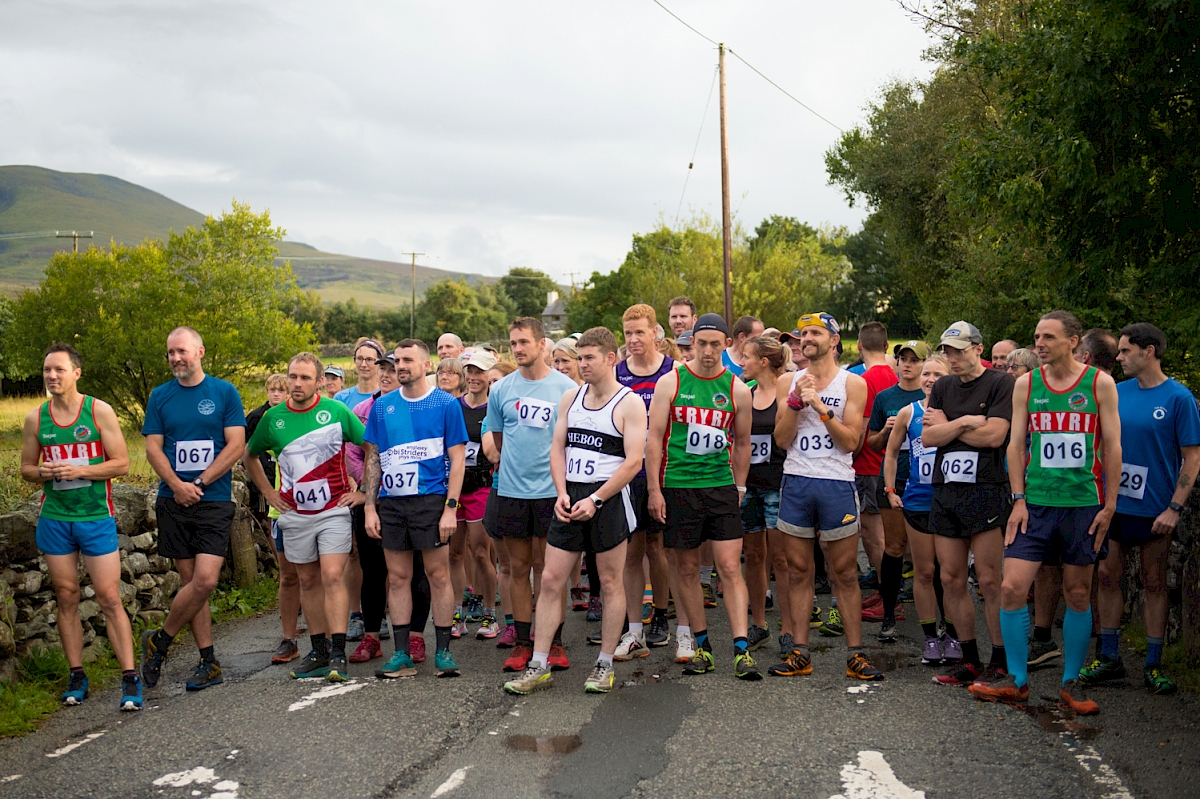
<point>961,336</point>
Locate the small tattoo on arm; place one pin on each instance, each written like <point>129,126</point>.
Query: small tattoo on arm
<point>1185,480</point>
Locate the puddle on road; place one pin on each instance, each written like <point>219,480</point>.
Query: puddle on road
<point>891,659</point>
<point>1052,718</point>
<point>641,678</point>
<point>544,744</point>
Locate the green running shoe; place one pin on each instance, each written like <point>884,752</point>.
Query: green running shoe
<point>314,664</point>
<point>701,663</point>
<point>1101,670</point>
<point>401,665</point>
<point>833,625</point>
<point>444,661</point>
<point>1157,682</point>
<point>601,680</point>
<point>744,667</point>
<point>339,670</point>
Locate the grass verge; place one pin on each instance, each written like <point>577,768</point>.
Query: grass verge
<point>1185,672</point>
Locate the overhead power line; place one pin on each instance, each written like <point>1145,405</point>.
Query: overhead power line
<point>696,149</point>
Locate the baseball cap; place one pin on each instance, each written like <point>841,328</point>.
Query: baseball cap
<point>335,370</point>
<point>480,359</point>
<point>918,348</point>
<point>389,358</point>
<point>961,336</point>
<point>684,339</point>
<point>711,321</point>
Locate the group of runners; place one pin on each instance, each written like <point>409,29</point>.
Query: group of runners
<point>679,466</point>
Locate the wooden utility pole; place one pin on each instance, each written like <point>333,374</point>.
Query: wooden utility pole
<point>412,311</point>
<point>726,221</point>
<point>75,236</point>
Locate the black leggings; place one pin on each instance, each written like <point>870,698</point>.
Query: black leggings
<point>593,571</point>
<point>375,578</point>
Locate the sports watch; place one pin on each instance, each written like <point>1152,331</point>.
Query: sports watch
<point>599,503</point>
<point>452,503</point>
<point>199,483</point>
<point>1175,506</point>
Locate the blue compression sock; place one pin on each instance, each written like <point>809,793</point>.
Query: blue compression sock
<point>1014,627</point>
<point>1077,633</point>
<point>1110,642</point>
<point>1154,648</point>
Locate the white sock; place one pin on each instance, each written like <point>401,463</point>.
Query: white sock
<point>489,612</point>
<point>540,659</point>
<point>681,631</point>
<point>706,573</point>
<point>635,627</point>
<point>605,658</point>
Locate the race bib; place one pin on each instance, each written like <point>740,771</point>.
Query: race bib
<point>400,479</point>
<point>580,468</point>
<point>760,448</point>
<point>960,467</point>
<point>925,466</point>
<point>194,456</point>
<point>1063,450</point>
<point>311,496</point>
<point>472,453</point>
<point>1133,481</point>
<point>83,482</point>
<point>705,440</point>
<point>534,413</point>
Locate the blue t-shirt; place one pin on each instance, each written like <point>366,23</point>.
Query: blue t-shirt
<point>524,412</point>
<point>728,363</point>
<point>859,369</point>
<point>412,436</point>
<point>1155,423</point>
<point>352,396</point>
<point>192,422</point>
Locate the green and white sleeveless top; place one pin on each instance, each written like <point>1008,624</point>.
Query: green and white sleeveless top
<point>76,442</point>
<point>699,432</point>
<point>1062,466</point>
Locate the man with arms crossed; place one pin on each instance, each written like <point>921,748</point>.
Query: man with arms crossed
<point>1065,494</point>
<point>78,440</point>
<point>598,444</point>
<point>195,431</point>
<point>307,434</point>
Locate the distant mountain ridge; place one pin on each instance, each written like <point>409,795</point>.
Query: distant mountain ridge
<point>39,201</point>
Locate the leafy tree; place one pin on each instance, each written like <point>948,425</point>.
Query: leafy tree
<point>10,366</point>
<point>118,305</point>
<point>527,288</point>
<point>346,321</point>
<point>452,306</point>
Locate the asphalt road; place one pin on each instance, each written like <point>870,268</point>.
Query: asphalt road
<point>262,734</point>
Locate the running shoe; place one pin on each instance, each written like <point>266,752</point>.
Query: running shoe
<point>869,580</point>
<point>990,674</point>
<point>756,637</point>
<point>416,648</point>
<point>314,664</point>
<point>821,584</point>
<point>443,661</point>
<point>206,674</point>
<point>578,600</point>
<point>958,674</point>
<point>519,659</point>
<point>860,668</point>
<point>685,647</point>
<point>385,629</point>
<point>710,601</point>
<point>744,667</point>
<point>77,689</point>
<point>833,625</point>
<point>887,633</point>
<point>458,627</point>
<point>647,612</point>
<point>367,650</point>
<point>630,647</point>
<point>507,638</point>
<point>535,677</point>
<point>596,638</point>
<point>131,693</point>
<point>1042,652</point>
<point>1156,681</point>
<point>601,680</point>
<point>488,629</point>
<point>1002,690</point>
<point>1101,670</point>
<point>876,613</point>
<point>874,600</point>
<point>951,648</point>
<point>770,601</point>
<point>150,666</point>
<point>1071,695</point>
<point>558,658</point>
<point>339,670</point>
<point>786,645</point>
<point>474,610</point>
<point>701,663</point>
<point>594,609</point>
<point>659,633</point>
<point>355,630</point>
<point>795,664</point>
<point>400,665</point>
<point>908,572</point>
<point>932,655</point>
<point>814,621</point>
<point>906,594</point>
<point>718,587</point>
<point>286,652</point>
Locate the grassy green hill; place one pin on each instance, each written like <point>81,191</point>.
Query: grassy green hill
<point>36,202</point>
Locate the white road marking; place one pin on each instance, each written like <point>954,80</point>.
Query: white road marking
<point>873,778</point>
<point>858,689</point>
<point>11,778</point>
<point>452,782</point>
<point>1104,774</point>
<point>72,747</point>
<point>181,779</point>
<point>336,689</point>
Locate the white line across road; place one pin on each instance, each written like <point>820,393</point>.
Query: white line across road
<point>62,750</point>
<point>324,693</point>
<point>452,782</point>
<point>873,778</point>
<point>1105,776</point>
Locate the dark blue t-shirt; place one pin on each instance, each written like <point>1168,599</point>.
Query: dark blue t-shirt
<point>1155,424</point>
<point>192,422</point>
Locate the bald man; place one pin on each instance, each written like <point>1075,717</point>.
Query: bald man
<point>1000,351</point>
<point>449,346</point>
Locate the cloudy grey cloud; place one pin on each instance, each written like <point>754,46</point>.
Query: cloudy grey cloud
<point>485,134</point>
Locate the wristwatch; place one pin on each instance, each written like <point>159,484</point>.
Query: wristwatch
<point>825,417</point>
<point>199,483</point>
<point>452,503</point>
<point>1015,497</point>
<point>599,503</point>
<point>1175,506</point>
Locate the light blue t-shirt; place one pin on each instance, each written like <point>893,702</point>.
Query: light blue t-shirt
<point>1155,423</point>
<point>352,396</point>
<point>728,363</point>
<point>412,437</point>
<point>192,422</point>
<point>524,412</point>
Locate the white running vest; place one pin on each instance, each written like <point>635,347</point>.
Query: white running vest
<point>813,453</point>
<point>595,448</point>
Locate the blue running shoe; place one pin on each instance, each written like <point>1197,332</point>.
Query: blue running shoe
<point>206,674</point>
<point>77,689</point>
<point>131,693</point>
<point>401,665</point>
<point>444,661</point>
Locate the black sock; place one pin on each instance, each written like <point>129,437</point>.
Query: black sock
<point>998,658</point>
<point>443,637</point>
<point>950,631</point>
<point>339,643</point>
<point>702,641</point>
<point>937,588</point>
<point>400,637</point>
<point>660,615</point>
<point>124,674</point>
<point>207,654</point>
<point>77,669</point>
<point>929,628</point>
<point>162,640</point>
<point>740,645</point>
<point>523,633</point>
<point>1041,634</point>
<point>970,652</point>
<point>558,636</point>
<point>889,584</point>
<point>319,642</point>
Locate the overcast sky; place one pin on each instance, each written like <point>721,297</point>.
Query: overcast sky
<point>486,134</point>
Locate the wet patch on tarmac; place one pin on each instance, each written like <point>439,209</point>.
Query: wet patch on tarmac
<point>544,744</point>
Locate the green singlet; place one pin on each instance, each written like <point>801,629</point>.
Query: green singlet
<point>76,442</point>
<point>699,431</point>
<point>1063,468</point>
